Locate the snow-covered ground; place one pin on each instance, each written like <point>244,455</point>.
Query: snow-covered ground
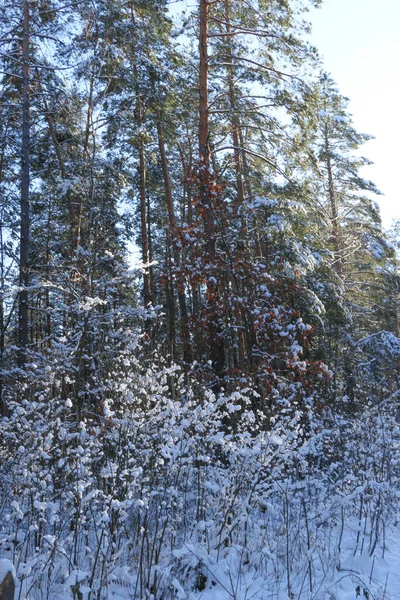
<point>164,503</point>
<point>362,569</point>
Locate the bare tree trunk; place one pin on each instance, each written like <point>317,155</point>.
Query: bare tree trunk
<point>246,169</point>
<point>175,250</point>
<point>249,193</point>
<point>60,160</point>
<point>215,340</point>
<point>2,282</point>
<point>232,101</point>
<point>169,292</point>
<point>2,324</point>
<point>204,150</point>
<point>79,270</point>
<point>235,126</point>
<point>23,317</point>
<point>144,233</point>
<point>147,285</point>
<point>195,305</point>
<point>334,209</point>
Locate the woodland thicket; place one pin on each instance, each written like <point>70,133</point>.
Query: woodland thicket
<point>199,346</point>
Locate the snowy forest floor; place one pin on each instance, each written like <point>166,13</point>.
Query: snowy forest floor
<point>190,496</point>
<point>353,572</point>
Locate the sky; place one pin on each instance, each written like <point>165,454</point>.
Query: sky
<point>360,44</point>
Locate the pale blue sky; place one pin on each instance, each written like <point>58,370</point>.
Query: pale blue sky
<point>360,43</point>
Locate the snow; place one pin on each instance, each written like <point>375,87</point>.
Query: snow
<point>272,525</point>
<point>6,566</point>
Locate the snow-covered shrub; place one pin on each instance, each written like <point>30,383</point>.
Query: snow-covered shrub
<point>147,484</point>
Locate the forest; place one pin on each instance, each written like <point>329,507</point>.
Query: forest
<point>199,311</point>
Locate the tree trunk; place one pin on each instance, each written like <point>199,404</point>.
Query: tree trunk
<point>144,233</point>
<point>232,101</point>
<point>78,272</point>
<point>204,150</point>
<point>147,285</point>
<point>334,208</point>
<point>2,283</point>
<point>235,126</point>
<point>175,250</point>
<point>23,326</point>
<point>214,327</point>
